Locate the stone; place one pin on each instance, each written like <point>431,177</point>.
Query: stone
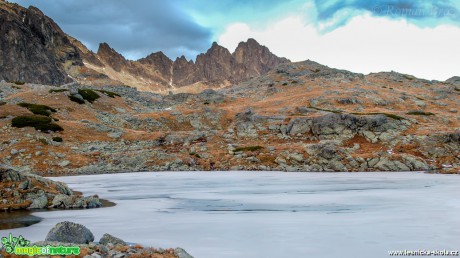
<point>62,201</point>
<point>107,238</point>
<point>69,232</point>
<point>64,163</point>
<point>181,253</point>
<point>39,202</point>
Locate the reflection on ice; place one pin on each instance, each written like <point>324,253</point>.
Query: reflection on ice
<point>265,214</point>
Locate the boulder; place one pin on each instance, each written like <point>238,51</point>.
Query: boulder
<point>107,238</point>
<point>69,232</point>
<point>181,253</point>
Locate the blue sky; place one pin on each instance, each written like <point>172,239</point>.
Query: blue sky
<point>410,36</point>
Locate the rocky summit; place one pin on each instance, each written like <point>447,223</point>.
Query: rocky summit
<point>67,110</point>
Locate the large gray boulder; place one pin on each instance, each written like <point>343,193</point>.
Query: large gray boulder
<point>69,232</point>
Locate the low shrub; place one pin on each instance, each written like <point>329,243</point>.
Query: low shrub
<point>393,116</point>
<point>57,139</point>
<point>2,103</point>
<point>88,95</point>
<point>42,123</point>
<point>75,99</point>
<point>248,148</point>
<point>38,109</point>
<point>57,90</point>
<point>19,82</point>
<point>420,113</point>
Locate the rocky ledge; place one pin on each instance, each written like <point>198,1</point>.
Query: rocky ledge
<point>73,234</point>
<point>27,191</point>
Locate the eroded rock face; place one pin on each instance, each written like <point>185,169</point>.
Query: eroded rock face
<point>33,48</point>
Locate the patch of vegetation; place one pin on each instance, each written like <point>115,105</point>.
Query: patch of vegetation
<point>457,89</point>
<point>420,113</point>
<point>419,98</point>
<point>2,103</point>
<point>294,82</point>
<point>327,110</point>
<point>38,109</point>
<point>248,148</point>
<point>43,141</point>
<point>393,116</point>
<point>109,93</point>
<point>16,87</point>
<point>57,139</point>
<point>42,123</point>
<point>88,95</point>
<point>19,82</point>
<point>75,99</point>
<point>284,84</point>
<point>195,154</point>
<point>57,90</point>
<point>316,70</point>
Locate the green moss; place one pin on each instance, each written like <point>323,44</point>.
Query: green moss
<point>75,99</point>
<point>109,93</point>
<point>327,110</point>
<point>393,116</point>
<point>42,123</point>
<point>57,139</point>
<point>88,95</point>
<point>420,113</point>
<point>58,90</point>
<point>38,109</point>
<point>248,148</point>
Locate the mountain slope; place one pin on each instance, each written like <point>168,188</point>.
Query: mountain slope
<point>33,48</point>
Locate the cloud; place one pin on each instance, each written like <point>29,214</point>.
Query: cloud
<point>365,44</point>
<point>428,13</point>
<point>134,28</point>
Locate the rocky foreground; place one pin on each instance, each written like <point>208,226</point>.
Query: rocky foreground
<point>72,234</point>
<point>28,191</point>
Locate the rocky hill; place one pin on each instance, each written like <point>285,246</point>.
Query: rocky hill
<point>298,117</point>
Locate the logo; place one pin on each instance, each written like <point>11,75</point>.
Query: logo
<point>21,246</point>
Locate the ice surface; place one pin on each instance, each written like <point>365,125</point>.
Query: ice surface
<point>270,214</point>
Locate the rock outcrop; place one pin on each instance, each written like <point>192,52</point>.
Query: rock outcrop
<point>28,191</point>
<point>33,48</point>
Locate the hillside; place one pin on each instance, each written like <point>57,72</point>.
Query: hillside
<point>298,117</point>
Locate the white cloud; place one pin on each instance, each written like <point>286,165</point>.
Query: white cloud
<point>366,44</point>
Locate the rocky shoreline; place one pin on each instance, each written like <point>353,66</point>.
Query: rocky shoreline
<point>28,191</point>
<point>69,234</point>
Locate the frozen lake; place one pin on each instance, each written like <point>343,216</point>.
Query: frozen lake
<point>270,214</point>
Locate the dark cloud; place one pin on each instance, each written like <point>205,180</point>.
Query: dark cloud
<point>134,28</point>
<point>422,13</point>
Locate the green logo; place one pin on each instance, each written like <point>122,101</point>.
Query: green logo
<point>10,243</point>
<point>21,246</point>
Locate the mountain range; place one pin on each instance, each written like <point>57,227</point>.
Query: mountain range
<point>36,50</point>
